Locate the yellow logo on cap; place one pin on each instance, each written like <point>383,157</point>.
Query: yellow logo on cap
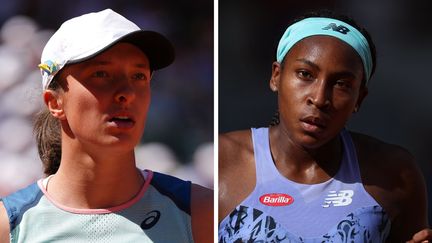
<point>49,67</point>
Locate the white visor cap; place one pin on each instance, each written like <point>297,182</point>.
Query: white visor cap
<point>85,36</point>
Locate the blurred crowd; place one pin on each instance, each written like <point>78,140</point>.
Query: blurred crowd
<point>178,139</point>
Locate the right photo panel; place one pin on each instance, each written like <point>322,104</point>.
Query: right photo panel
<point>324,121</point>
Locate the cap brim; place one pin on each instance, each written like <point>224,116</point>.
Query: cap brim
<point>157,48</point>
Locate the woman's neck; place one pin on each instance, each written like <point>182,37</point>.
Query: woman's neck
<point>304,165</point>
<point>99,180</point>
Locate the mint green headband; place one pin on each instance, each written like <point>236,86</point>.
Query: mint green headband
<point>326,26</point>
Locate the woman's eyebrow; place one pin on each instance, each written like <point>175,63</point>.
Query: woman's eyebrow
<point>98,63</point>
<point>343,73</point>
<point>141,65</point>
<point>346,74</point>
<point>308,62</point>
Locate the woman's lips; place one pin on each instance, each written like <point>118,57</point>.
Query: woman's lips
<point>121,121</point>
<point>313,124</point>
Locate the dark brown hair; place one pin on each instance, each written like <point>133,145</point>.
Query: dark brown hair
<point>46,129</point>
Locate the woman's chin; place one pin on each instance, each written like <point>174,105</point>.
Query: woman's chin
<point>118,143</point>
<point>311,141</point>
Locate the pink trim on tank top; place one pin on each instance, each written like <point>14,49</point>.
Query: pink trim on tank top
<point>147,179</point>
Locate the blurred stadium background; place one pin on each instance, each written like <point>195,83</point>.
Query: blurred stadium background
<point>178,139</point>
<point>398,108</point>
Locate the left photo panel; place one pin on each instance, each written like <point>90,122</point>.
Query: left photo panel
<point>106,121</point>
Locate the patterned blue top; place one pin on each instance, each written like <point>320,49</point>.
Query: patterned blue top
<point>280,210</point>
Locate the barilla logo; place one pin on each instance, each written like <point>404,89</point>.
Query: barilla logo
<point>276,199</point>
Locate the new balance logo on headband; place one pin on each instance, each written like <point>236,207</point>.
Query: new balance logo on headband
<point>331,27</point>
<point>341,29</point>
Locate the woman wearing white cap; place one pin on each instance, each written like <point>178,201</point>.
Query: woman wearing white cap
<point>96,72</point>
<point>306,178</point>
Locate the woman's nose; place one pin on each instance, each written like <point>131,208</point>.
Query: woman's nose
<point>320,95</point>
<point>125,93</point>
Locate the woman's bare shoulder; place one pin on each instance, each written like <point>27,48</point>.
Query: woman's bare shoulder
<point>4,224</point>
<point>236,169</point>
<point>391,175</point>
<point>235,146</point>
<point>389,164</point>
<point>202,213</point>
<point>372,150</point>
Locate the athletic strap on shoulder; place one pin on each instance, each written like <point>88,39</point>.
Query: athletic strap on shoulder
<point>179,191</point>
<point>19,202</point>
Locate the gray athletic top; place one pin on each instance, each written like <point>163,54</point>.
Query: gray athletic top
<point>160,212</point>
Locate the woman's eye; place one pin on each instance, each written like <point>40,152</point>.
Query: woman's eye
<point>304,74</point>
<point>100,74</point>
<point>342,84</point>
<point>139,76</point>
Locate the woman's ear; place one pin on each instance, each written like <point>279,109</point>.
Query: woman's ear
<point>274,80</point>
<point>54,102</point>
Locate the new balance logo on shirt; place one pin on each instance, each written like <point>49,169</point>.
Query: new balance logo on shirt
<point>338,198</point>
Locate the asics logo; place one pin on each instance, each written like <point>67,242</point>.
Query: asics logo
<point>337,199</point>
<point>151,219</point>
